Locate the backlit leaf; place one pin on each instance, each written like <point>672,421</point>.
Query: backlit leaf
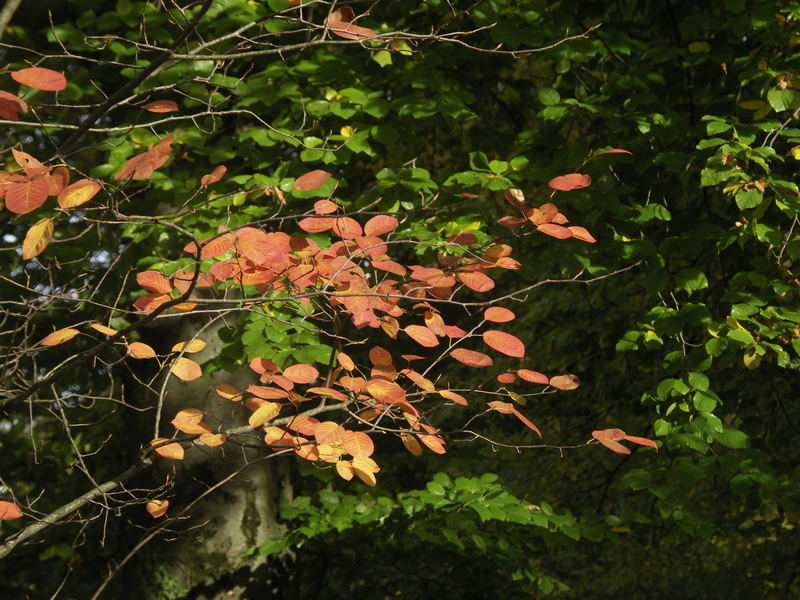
<point>471,358</point>
<point>325,207</point>
<point>311,180</point>
<point>386,391</point>
<point>160,106</point>
<point>358,443</point>
<point>301,373</point>
<point>78,193</point>
<point>37,238</point>
<point>641,441</point>
<point>345,361</point>
<point>434,443</point>
<point>572,181</point>
<point>264,413</point>
<point>476,281</point>
<point>40,78</point>
<point>580,233</point>
<point>327,392</point>
<point>196,345</point>
<point>190,420</point>
<point>228,392</point>
<point>380,225</point>
<point>422,335</point>
<point>557,231</point>
<point>452,396</point>
<point>186,369</point>
<point>153,281</point>
<point>345,469</point>
<point>139,350</point>
<point>498,314</point>
<point>328,432</point>
<point>26,196</point>
<point>59,337</point>
<point>212,439</point>
<point>504,342</point>
<point>411,444</point>
<point>173,451</point>
<point>103,329</point>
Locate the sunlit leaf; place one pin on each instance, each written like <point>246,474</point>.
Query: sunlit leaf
<point>267,392</point>
<point>228,392</point>
<point>533,376</point>
<point>26,196</point>
<point>434,443</point>
<point>452,396</point>
<point>580,233</point>
<point>196,345</point>
<point>504,342</point>
<point>386,391</point>
<point>153,281</point>
<point>190,420</point>
<point>157,508</point>
<point>311,180</point>
<point>216,175</point>
<point>358,443</point>
<point>476,281</point>
<point>40,78</point>
<point>301,373</point>
<point>160,106</point>
<point>99,327</point>
<point>328,432</point>
<point>565,382</point>
<point>345,469</point>
<point>471,358</point>
<point>345,361</point>
<point>327,392</point>
<point>380,225</point>
<point>59,337</point>
<point>572,181</point>
<point>506,378</point>
<point>411,444</point>
<point>422,335</point>
<point>498,314</point>
<point>9,511</point>
<point>173,451</point>
<point>37,238</point>
<point>557,231</point>
<point>263,414</point>
<point>140,350</point>
<point>212,439</point>
<point>78,193</point>
<point>186,369</point>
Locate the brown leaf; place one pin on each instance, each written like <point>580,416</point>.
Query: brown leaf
<point>157,508</point>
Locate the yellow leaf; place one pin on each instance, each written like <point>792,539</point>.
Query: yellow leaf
<point>186,369</point>
<point>78,193</point>
<point>59,337</point>
<point>213,439</point>
<point>157,508</point>
<point>229,392</point>
<point>364,470</point>
<point>411,444</point>
<point>345,469</point>
<point>190,420</point>
<point>139,350</point>
<point>37,238</point>
<point>264,413</point>
<point>189,347</point>
<point>346,131</point>
<point>103,329</point>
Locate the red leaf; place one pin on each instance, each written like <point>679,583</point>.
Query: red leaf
<point>379,225</point>
<point>533,376</point>
<point>504,342</point>
<point>215,175</point>
<point>11,106</point>
<point>565,382</point>
<point>422,335</point>
<point>316,224</point>
<point>153,281</point>
<point>40,78</point>
<point>22,198</point>
<point>556,231</point>
<point>609,437</point>
<point>160,106</point>
<point>641,441</point>
<point>527,422</point>
<point>9,511</point>
<point>581,234</point>
<point>572,181</point>
<point>471,358</point>
<point>612,151</point>
<point>301,373</point>
<point>476,281</point>
<point>498,314</point>
<point>311,180</point>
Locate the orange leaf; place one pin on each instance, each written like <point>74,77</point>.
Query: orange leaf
<point>325,207</point>
<point>471,358</point>
<point>327,392</point>
<point>422,335</point>
<point>379,356</point>
<point>358,443</point>
<point>213,439</point>
<point>641,441</point>
<point>476,281</point>
<point>160,106</point>
<point>433,442</point>
<point>504,342</point>
<point>190,420</point>
<point>505,408</point>
<point>264,413</point>
<point>40,78</point>
<point>525,420</point>
<point>390,267</point>
<point>186,369</point>
<point>533,376</point>
<point>11,106</point>
<point>580,233</point>
<point>609,437</point>
<point>346,228</point>
<point>37,238</point>
<point>386,391</point>
<point>328,432</point>
<point>315,224</point>
<point>23,197</point>
<point>153,281</point>
<point>139,350</point>
<point>506,378</point>
<point>411,444</point>
<point>78,193</point>
<point>612,151</point>
<point>301,373</point>
<point>572,181</point>
<point>379,225</point>
<point>59,337</point>
<point>173,451</point>
<point>311,180</point>
<point>565,382</point>
<point>345,469</point>
<point>345,361</point>
<point>9,511</point>
<point>557,231</point>
<point>350,31</point>
<point>103,329</point>
<point>157,508</point>
<point>196,345</point>
<point>457,398</point>
<point>217,174</point>
<point>498,314</point>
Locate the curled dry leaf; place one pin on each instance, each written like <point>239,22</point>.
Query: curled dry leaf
<point>160,106</point>
<point>40,78</point>
<point>59,337</point>
<point>37,238</point>
<point>157,508</point>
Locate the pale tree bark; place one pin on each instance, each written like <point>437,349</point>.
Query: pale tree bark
<point>7,13</point>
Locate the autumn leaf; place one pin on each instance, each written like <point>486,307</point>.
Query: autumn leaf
<point>357,443</point>
<point>572,181</point>
<point>580,233</point>
<point>476,281</point>
<point>153,281</point>
<point>160,106</point>
<point>100,328</point>
<point>386,391</point>
<point>26,196</point>
<point>216,175</point>
<point>9,511</point>
<point>565,382</point>
<point>11,106</point>
<point>59,337</point>
<point>380,225</point>
<point>157,508</point>
<point>190,420</point>
<point>311,180</point>
<point>453,397</point>
<point>37,238</point>
<point>328,432</point>
<point>411,444</point>
<point>196,345</point>
<point>40,78</point>
<point>325,207</point>
<point>186,369</point>
<point>301,373</point>
<point>504,342</point>
<point>212,439</point>
<point>515,198</point>
<point>471,358</point>
<point>557,231</point>
<point>228,392</point>
<point>327,392</point>
<point>498,314</point>
<point>422,335</point>
<point>533,376</point>
<point>345,361</point>
<point>78,193</point>
<point>173,451</point>
<point>139,350</point>
<point>263,414</point>
<point>345,469</point>
<point>612,151</point>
